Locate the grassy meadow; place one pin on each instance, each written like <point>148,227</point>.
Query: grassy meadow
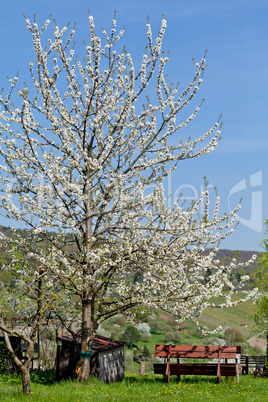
<point>137,388</point>
<point>150,387</point>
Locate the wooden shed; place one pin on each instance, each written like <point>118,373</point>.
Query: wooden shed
<point>106,360</point>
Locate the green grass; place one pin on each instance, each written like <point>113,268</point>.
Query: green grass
<point>136,388</point>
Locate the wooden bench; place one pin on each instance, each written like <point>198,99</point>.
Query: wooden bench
<point>217,368</point>
<point>252,362</point>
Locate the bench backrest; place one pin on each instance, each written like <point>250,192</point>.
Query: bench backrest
<point>253,359</point>
<point>197,352</point>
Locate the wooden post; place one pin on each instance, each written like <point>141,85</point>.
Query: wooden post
<point>236,363</point>
<point>178,362</point>
<point>142,367</point>
<point>219,367</point>
<point>168,363</point>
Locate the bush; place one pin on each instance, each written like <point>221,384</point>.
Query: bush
<point>146,352</point>
<point>173,336</point>
<point>233,336</point>
<point>103,332</point>
<point>154,323</point>
<point>131,335</point>
<point>141,313</point>
<point>5,277</point>
<point>117,320</point>
<point>144,328</point>
<point>214,341</point>
<point>145,337</point>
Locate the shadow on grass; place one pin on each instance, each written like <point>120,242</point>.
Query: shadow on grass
<point>46,377</point>
<point>173,379</point>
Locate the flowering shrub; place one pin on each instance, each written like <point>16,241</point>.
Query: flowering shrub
<point>144,328</point>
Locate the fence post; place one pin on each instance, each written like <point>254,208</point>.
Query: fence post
<point>142,367</point>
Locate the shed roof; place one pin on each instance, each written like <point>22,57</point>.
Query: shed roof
<point>100,343</point>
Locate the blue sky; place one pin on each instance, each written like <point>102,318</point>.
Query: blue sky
<point>235,32</point>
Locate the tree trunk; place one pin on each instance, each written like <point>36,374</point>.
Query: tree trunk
<point>24,368</point>
<point>266,361</point>
<point>83,366</point>
<point>25,376</point>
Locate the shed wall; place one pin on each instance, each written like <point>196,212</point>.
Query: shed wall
<point>111,365</point>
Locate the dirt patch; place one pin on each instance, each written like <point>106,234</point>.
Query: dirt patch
<point>166,318</point>
<point>258,343</point>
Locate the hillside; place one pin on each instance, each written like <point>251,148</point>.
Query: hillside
<point>243,256</point>
<point>223,255</point>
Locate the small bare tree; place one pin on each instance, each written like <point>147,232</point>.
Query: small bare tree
<point>31,299</point>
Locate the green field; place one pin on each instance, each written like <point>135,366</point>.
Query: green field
<point>136,388</point>
<point>231,316</point>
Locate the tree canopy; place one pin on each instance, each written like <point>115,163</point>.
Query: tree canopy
<point>84,153</point>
